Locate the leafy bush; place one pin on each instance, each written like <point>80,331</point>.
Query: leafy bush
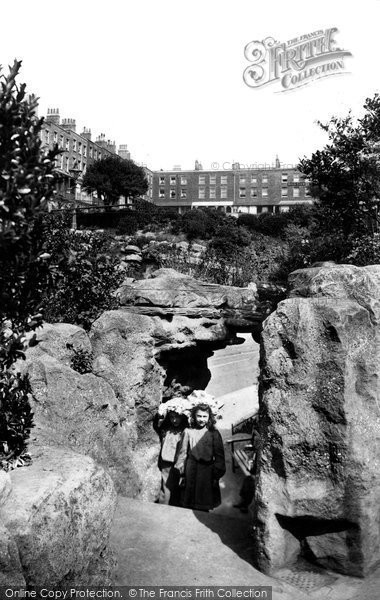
<point>16,419</point>
<point>27,182</point>
<point>365,250</point>
<point>127,225</point>
<point>200,223</point>
<point>345,174</point>
<point>229,238</point>
<point>85,274</point>
<point>81,361</point>
<point>275,224</point>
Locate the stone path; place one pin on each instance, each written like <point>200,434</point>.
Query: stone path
<point>164,545</point>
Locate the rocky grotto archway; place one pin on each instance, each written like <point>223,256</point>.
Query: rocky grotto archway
<point>318,473</point>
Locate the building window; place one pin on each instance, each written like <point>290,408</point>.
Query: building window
<point>242,178</point>
<point>296,193</point>
<point>55,137</point>
<point>212,192</point>
<point>296,178</point>
<point>242,192</point>
<point>74,145</point>
<point>183,180</point>
<point>61,141</point>
<point>223,192</point>
<point>284,178</point>
<point>47,136</point>
<point>253,193</point>
<point>264,193</point>
<point>212,179</point>
<point>172,194</point>
<point>84,150</point>
<point>183,193</point>
<point>162,180</point>
<point>202,179</point>
<point>264,209</point>
<point>223,180</point>
<point>80,147</point>
<point>254,180</point>
<point>265,180</point>
<point>284,192</point>
<point>202,192</point>
<point>67,145</point>
<point>173,180</point>
<point>161,193</point>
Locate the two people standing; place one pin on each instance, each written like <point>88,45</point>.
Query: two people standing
<point>197,464</point>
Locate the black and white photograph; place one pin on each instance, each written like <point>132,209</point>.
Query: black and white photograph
<point>189,300</point>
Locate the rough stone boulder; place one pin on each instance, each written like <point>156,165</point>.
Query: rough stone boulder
<point>318,483</point>
<point>55,522</point>
<point>10,565</point>
<point>168,288</point>
<point>133,362</point>
<point>168,292</point>
<point>106,413</point>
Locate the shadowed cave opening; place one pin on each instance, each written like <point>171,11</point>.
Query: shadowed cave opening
<point>187,369</point>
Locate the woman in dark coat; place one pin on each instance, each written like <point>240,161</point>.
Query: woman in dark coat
<point>201,461</point>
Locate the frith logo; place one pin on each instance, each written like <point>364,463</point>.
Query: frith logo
<point>294,63</point>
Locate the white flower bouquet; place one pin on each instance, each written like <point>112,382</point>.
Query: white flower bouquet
<point>183,406</point>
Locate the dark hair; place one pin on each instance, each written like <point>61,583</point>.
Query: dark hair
<point>206,408</point>
<point>167,422</point>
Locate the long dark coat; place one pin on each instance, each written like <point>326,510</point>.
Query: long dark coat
<point>201,461</point>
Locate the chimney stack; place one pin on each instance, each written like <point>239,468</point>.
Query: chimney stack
<point>53,116</point>
<point>86,133</point>
<point>69,124</point>
<point>124,152</point>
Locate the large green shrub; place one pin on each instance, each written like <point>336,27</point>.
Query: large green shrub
<point>85,273</point>
<point>27,182</point>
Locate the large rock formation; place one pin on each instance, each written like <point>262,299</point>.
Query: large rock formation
<point>169,293</point>
<point>156,344</point>
<point>103,413</point>
<point>318,484</point>
<point>55,520</point>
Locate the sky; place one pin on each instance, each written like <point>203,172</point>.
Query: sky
<point>166,76</point>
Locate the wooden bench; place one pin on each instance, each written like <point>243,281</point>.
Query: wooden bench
<point>242,450</point>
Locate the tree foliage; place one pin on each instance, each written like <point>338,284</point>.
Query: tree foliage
<point>345,175</point>
<point>26,184</point>
<point>113,177</point>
